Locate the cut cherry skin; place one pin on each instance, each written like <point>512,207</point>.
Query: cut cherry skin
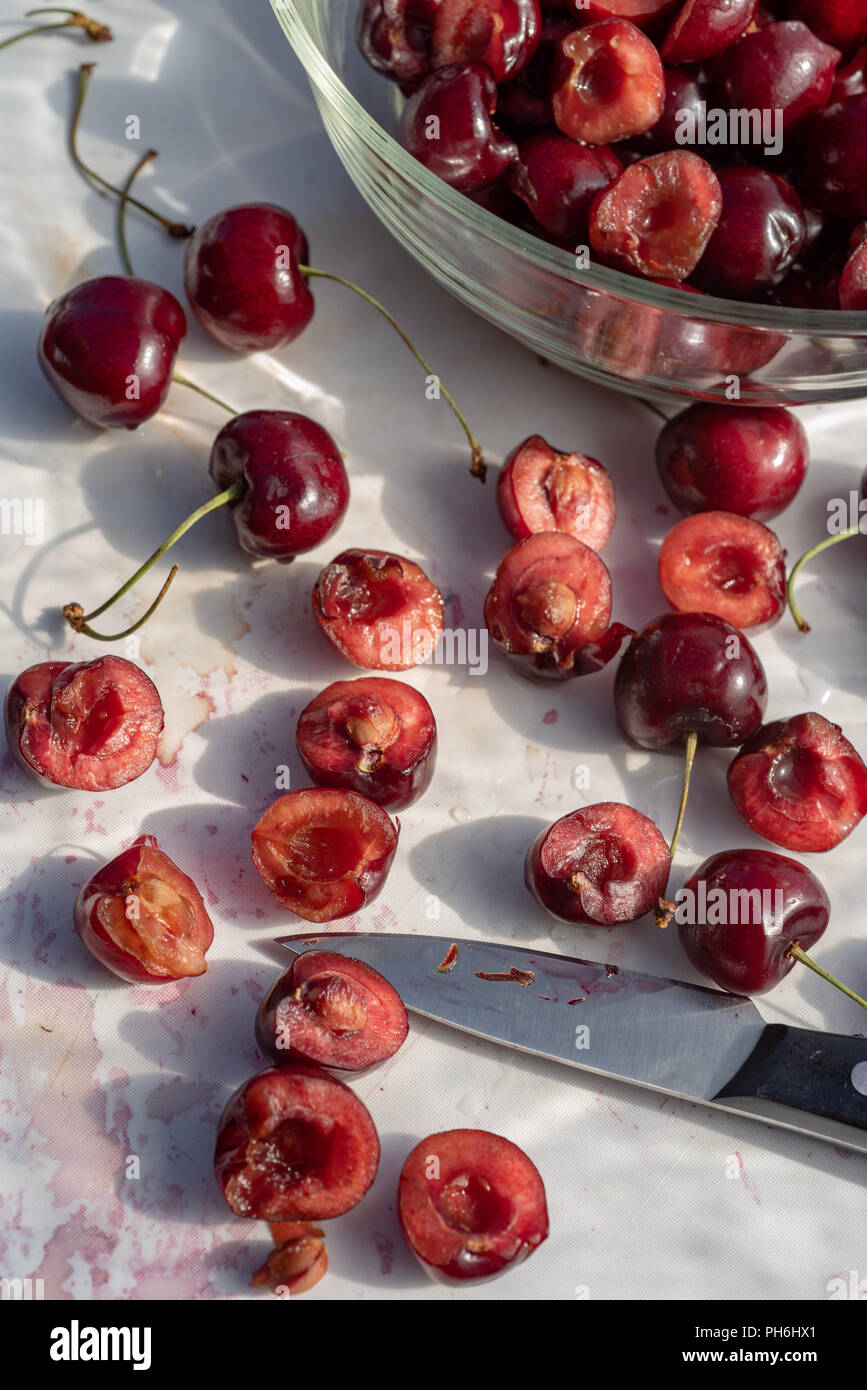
<point>446,124</point>
<point>92,725</point>
<point>549,608</point>
<point>323,852</point>
<point>647,14</point>
<point>833,156</point>
<point>718,562</point>
<point>143,918</point>
<point>544,489</point>
<point>713,458</point>
<point>329,1010</point>
<point>558,180</point>
<point>657,217</point>
<point>109,346</point>
<point>295,1144</point>
<point>599,866</point>
<point>373,735</point>
<point>853,281</point>
<point>484,1210</point>
<point>297,489</point>
<point>759,236</point>
<point>783,67</point>
<point>607,83</point>
<point>704,28</point>
<point>799,783</point>
<point>689,673</point>
<point>749,957</point>
<point>242,279</point>
<point>379,610</point>
<point>395,37</point>
<point>502,34</point>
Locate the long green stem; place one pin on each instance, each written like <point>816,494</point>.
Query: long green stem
<point>178,230</point>
<point>665,909</point>
<point>797,954</point>
<point>826,544</point>
<point>478,463</point>
<point>99,33</point>
<point>182,380</point>
<point>80,621</point>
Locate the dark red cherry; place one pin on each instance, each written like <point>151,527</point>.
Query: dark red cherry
<point>781,67</point>
<point>689,673</point>
<point>657,217</point>
<point>842,23</point>
<point>718,562</point>
<point>760,233</point>
<point>297,489</point>
<point>109,347</point>
<point>742,911</point>
<point>599,866</point>
<point>373,735</point>
<point>558,180</point>
<point>378,609</point>
<point>446,124</point>
<point>704,28</point>
<point>395,37</point>
<point>607,83</point>
<point>853,281</point>
<point>800,783</point>
<point>242,279</point>
<point>687,96</point>
<point>724,458</point>
<point>92,725</point>
<point>850,79</point>
<point>545,489</point>
<point>833,158</point>
<point>524,103</point>
<point>502,34</point>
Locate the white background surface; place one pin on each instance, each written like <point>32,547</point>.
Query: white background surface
<point>647,1197</point>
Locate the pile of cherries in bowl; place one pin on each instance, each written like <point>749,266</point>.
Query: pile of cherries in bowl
<point>633,129</point>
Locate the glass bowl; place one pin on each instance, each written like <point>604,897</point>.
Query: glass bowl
<point>600,323</point>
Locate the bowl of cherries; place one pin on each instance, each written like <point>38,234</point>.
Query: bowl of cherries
<point>663,195</point>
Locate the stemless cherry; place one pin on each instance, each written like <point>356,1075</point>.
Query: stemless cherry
<point>92,725</point>
<point>502,34</point>
<point>760,233</point>
<point>295,486</point>
<point>783,67</point>
<point>558,180</point>
<point>395,37</point>
<point>687,96</point>
<point>799,783</point>
<point>599,866</point>
<point>109,346</point>
<point>719,458</point>
<point>657,217</point>
<point>544,489</point>
<point>446,124</point>
<point>373,735</point>
<point>719,562</point>
<point>295,1144</point>
<point>853,281</point>
<point>242,279</point>
<point>330,1010</point>
<point>482,1211</point>
<point>704,28</point>
<point>850,78</point>
<point>842,23</point>
<point>549,608</point>
<point>607,83</point>
<point>833,155</point>
<point>143,918</point>
<point>324,852</point>
<point>379,610</point>
<point>524,103</point>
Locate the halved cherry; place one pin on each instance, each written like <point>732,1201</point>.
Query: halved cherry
<point>657,217</point>
<point>543,489</point>
<point>324,853</point>
<point>143,918</point>
<point>549,607</point>
<point>599,866</point>
<point>799,783</point>
<point>373,735</point>
<point>295,1144</point>
<point>330,1010</point>
<point>647,14</point>
<point>92,725</point>
<point>503,34</point>
<point>608,83</point>
<point>378,609</point>
<point>471,1204</point>
<point>718,562</point>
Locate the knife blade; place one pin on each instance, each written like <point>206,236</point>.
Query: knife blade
<point>685,1040</point>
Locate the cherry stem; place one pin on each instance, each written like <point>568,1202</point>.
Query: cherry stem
<point>691,746</point>
<point>478,468</point>
<point>174,229</point>
<point>80,621</point>
<point>803,625</point>
<point>99,33</point>
<point>200,391</point>
<point>797,954</point>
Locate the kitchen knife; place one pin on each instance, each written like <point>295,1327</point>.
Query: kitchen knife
<point>684,1040</point>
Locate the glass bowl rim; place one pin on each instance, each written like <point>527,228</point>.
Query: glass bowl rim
<point>832,323</point>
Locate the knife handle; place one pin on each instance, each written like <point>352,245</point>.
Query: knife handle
<point>806,1074</point>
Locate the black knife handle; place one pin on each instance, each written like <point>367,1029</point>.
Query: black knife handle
<point>808,1074</point>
